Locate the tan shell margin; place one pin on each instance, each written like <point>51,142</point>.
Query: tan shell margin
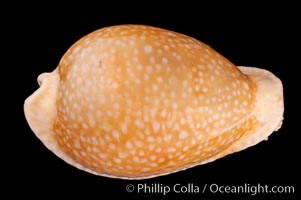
<point>269,110</point>
<point>40,110</point>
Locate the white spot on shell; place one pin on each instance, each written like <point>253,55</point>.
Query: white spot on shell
<point>156,126</point>
<point>164,60</point>
<point>116,134</point>
<point>148,49</point>
<point>183,135</point>
<point>167,138</point>
<point>246,86</point>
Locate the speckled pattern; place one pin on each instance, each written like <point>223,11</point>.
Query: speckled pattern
<point>137,101</point>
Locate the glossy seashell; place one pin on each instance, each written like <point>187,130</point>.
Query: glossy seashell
<point>136,102</point>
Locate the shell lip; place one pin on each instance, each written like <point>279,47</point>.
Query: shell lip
<point>269,106</point>
<point>270,87</point>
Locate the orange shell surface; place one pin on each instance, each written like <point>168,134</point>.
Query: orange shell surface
<point>134,102</point>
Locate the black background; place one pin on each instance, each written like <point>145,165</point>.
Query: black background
<point>249,36</point>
